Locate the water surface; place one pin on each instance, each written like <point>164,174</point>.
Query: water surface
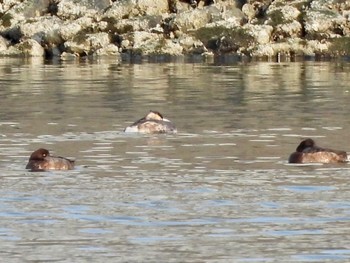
<point>218,191</point>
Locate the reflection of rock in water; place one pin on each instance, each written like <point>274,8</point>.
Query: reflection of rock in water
<point>104,95</point>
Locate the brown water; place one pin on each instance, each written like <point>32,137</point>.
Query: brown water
<point>218,191</point>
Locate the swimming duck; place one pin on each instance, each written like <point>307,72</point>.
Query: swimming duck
<point>308,152</point>
<point>153,122</point>
<point>41,160</point>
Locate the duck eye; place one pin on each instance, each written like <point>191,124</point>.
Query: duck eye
<point>44,154</point>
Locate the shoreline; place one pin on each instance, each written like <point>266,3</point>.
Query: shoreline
<point>266,30</point>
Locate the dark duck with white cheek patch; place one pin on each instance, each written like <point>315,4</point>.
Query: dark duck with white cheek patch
<point>41,160</point>
<point>309,152</point>
<point>152,123</point>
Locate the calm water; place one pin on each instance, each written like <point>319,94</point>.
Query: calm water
<point>218,191</point>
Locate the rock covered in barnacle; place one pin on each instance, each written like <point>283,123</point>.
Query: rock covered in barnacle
<point>127,28</point>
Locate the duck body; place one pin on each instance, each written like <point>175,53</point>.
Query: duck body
<point>41,160</point>
<point>309,152</point>
<point>152,123</point>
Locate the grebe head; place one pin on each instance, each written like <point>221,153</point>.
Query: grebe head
<point>154,115</point>
<point>307,143</point>
<point>39,154</point>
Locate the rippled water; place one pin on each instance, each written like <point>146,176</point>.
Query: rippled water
<point>218,191</point>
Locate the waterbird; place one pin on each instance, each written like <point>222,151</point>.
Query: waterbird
<point>152,123</point>
<point>309,152</point>
<point>41,160</point>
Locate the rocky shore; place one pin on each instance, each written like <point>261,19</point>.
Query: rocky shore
<point>128,28</point>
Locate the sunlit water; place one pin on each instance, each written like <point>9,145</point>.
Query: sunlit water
<point>219,191</point>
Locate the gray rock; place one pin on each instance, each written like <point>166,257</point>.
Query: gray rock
<point>292,29</point>
<point>4,43</point>
<point>323,4</point>
<point>261,34</point>
<point>87,44</point>
<point>70,28</point>
<point>277,14</point>
<point>42,29</point>
<point>135,8</point>
<point>146,23</point>
<point>21,11</point>
<point>152,7</point>
<point>145,43</point>
<point>85,24</point>
<point>110,50</point>
<point>249,11</point>
<point>324,23</point>
<point>5,5</point>
<point>192,45</point>
<point>66,56</point>
<point>73,9</point>
<point>120,10</point>
<point>31,48</point>
<point>191,20</point>
<point>11,51</point>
